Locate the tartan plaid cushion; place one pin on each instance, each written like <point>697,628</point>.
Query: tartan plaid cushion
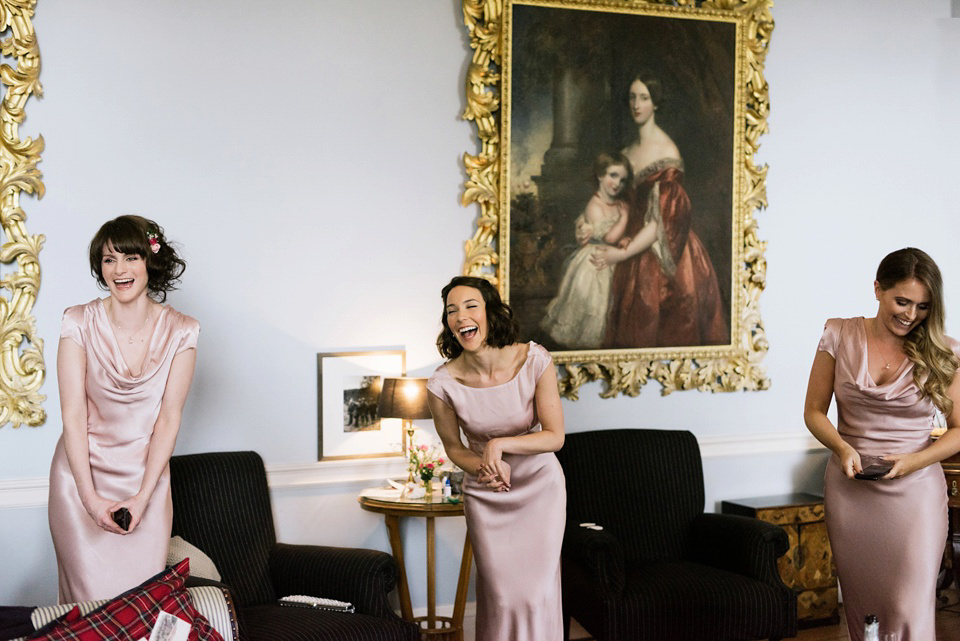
<point>131,616</point>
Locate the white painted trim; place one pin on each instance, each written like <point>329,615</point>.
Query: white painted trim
<point>356,474</point>
<point>752,444</point>
<point>24,493</point>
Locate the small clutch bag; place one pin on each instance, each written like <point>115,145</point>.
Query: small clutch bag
<point>122,518</point>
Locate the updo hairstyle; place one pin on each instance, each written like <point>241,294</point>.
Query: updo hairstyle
<point>131,234</point>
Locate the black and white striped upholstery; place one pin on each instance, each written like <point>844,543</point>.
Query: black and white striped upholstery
<point>662,569</point>
<point>221,504</point>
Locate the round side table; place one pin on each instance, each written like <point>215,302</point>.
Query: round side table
<point>431,626</point>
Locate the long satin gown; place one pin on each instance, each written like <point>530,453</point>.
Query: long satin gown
<point>887,536</point>
<point>667,296</point>
<point>516,535</point>
<point>121,412</point>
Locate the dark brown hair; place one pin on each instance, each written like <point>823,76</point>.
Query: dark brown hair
<point>605,161</point>
<point>653,84</point>
<point>132,235</point>
<point>934,363</point>
<point>502,327</point>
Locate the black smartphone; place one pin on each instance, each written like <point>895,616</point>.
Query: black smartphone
<point>874,471</point>
<point>122,518</point>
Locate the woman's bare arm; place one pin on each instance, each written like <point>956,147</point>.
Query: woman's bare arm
<point>71,377</point>
<point>816,404</point>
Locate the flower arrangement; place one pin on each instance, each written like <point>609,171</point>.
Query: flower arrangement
<point>425,461</point>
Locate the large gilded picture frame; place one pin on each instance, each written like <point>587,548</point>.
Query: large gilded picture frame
<point>21,349</point>
<point>617,185</point>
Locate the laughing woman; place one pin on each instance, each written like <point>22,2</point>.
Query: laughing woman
<point>504,397</point>
<point>889,374</point>
<point>124,365</point>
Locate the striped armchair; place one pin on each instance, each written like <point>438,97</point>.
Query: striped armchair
<point>221,504</point>
<point>660,568</point>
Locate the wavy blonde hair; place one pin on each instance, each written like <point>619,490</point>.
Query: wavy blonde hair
<point>934,363</point>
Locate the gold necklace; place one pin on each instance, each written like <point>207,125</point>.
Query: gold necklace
<point>876,342</point>
<point>130,337</point>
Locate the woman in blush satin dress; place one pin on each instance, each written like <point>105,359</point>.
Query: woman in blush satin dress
<point>504,397</point>
<point>889,375</point>
<point>124,366</point>
<point>665,290</point>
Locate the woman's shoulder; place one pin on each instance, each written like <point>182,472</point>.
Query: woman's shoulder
<point>538,358</point>
<point>660,165</point>
<point>844,327</point>
<point>81,314</point>
<point>181,320</point>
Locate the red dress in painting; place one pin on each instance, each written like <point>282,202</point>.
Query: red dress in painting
<point>668,295</point>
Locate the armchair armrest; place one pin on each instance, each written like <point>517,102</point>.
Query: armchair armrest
<point>362,577</point>
<point>739,544</point>
<point>598,553</point>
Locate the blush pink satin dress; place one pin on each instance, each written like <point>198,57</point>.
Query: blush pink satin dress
<point>516,535</point>
<point>887,536</point>
<point>121,411</point>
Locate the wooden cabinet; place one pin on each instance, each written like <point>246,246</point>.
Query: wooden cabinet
<point>807,567</point>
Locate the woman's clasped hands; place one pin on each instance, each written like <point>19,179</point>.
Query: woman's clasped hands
<point>101,510</point>
<point>493,471</point>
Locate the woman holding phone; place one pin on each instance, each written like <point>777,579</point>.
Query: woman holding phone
<point>890,374</point>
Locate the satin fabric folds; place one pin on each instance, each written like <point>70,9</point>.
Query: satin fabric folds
<point>887,536</point>
<point>516,535</point>
<point>121,411</point>
<point>668,295</point>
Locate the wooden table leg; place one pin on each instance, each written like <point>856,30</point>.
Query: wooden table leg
<point>460,603</point>
<point>396,544</point>
<point>431,574</point>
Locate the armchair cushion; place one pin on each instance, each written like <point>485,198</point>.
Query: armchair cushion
<point>361,577</point>
<point>279,623</point>
<point>201,565</point>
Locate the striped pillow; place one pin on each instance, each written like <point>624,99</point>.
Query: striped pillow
<point>131,616</point>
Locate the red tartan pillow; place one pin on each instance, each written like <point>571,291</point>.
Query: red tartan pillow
<point>132,615</point>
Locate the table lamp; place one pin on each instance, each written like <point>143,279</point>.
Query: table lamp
<point>404,398</point>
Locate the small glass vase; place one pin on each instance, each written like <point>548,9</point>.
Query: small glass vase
<point>428,489</point>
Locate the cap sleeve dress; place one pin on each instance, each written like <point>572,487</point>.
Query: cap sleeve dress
<point>121,412</point>
<point>516,535</point>
<point>887,536</point>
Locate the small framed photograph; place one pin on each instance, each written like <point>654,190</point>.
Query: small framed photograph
<point>348,393</point>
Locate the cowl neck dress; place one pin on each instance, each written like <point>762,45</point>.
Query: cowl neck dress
<point>887,536</point>
<point>122,408</point>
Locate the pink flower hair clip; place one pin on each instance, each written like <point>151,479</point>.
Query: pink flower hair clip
<point>153,237</point>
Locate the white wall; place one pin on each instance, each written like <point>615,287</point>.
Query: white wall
<point>307,156</point>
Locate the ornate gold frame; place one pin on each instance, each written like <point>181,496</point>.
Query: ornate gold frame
<point>732,367</point>
<point>21,352</point>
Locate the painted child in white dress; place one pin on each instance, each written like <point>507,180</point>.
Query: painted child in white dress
<point>577,317</point>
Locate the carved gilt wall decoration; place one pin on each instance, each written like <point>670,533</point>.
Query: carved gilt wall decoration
<point>669,98</point>
<point>21,351</point>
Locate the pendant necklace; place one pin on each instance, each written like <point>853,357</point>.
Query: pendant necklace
<point>130,338</point>
<point>876,341</point>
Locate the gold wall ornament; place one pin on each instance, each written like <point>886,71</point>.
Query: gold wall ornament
<point>21,350</point>
<point>714,51</point>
